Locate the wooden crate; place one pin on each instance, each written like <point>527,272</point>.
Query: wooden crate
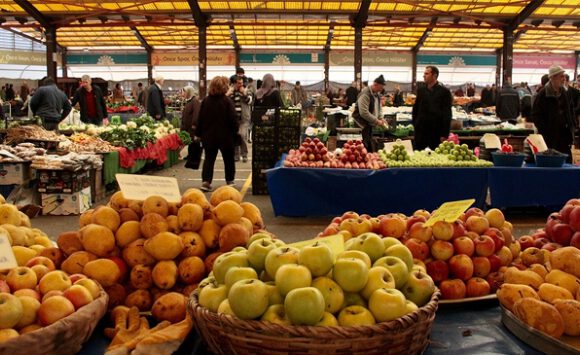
<point>576,156</point>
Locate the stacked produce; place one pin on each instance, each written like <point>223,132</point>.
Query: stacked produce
<point>546,295</point>
<point>82,142</point>
<point>19,153</point>
<point>352,155</point>
<point>562,229</point>
<point>398,153</point>
<point>463,258</point>
<point>311,153</point>
<point>20,134</point>
<point>373,281</point>
<point>36,293</point>
<point>448,154</point>
<point>70,161</point>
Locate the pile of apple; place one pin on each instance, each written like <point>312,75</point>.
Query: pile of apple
<point>354,155</point>
<point>140,251</point>
<point>31,299</point>
<point>312,153</point>
<point>463,257</point>
<point>373,281</point>
<point>562,229</point>
<point>546,294</point>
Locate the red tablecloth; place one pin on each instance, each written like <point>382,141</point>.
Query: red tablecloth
<point>154,151</point>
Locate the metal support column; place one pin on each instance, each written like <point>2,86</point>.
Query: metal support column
<point>498,56</point>
<point>414,72</point>
<point>507,55</point>
<point>326,68</point>
<point>358,34</point>
<point>64,65</point>
<point>149,67</point>
<point>237,56</point>
<point>577,56</point>
<point>202,61</point>
<point>50,33</point>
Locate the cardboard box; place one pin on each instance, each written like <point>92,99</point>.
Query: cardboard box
<point>576,156</point>
<point>66,204</point>
<point>62,181</point>
<point>14,173</point>
<point>97,186</point>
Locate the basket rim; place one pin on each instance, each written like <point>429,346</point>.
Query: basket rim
<point>424,313</point>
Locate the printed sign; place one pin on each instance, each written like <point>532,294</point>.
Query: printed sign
<point>191,58</point>
<point>449,211</point>
<point>139,187</point>
<point>405,143</point>
<point>457,60</point>
<point>544,61</point>
<point>7,259</point>
<point>22,57</point>
<point>491,141</point>
<point>372,58</point>
<point>335,242</point>
<point>282,58</point>
<point>106,59</point>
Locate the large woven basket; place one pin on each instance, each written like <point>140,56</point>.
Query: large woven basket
<point>225,334</point>
<point>63,337</point>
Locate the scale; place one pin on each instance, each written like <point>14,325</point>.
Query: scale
<point>345,134</point>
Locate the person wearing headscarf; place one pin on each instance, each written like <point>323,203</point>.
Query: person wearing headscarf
<point>189,118</point>
<point>268,95</point>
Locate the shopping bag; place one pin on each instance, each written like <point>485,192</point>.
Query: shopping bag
<point>194,155</point>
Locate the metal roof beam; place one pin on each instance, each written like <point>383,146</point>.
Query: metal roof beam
<point>425,35</point>
<point>234,37</point>
<point>201,19</point>
<point>141,39</point>
<point>525,13</point>
<point>329,36</point>
<point>33,11</point>
<point>360,19</point>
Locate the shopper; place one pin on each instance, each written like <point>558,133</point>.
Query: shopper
<point>351,94</point>
<point>240,73</point>
<point>298,95</point>
<point>471,90</point>
<point>507,105</point>
<point>10,94</point>
<point>118,95</point>
<point>50,104</point>
<point>268,95</point>
<point>189,119</point>
<point>367,112</point>
<point>155,100</point>
<point>552,113</point>
<point>91,101</point>
<point>24,92</point>
<point>398,99</point>
<point>242,103</point>
<point>486,96</point>
<point>574,95</point>
<point>217,127</point>
<point>431,111</point>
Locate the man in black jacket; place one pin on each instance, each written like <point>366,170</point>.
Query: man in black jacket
<point>351,94</point>
<point>155,100</point>
<point>431,111</point>
<point>50,104</point>
<point>91,102</point>
<point>508,103</point>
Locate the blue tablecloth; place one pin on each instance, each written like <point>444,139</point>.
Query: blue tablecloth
<point>330,192</point>
<point>532,186</point>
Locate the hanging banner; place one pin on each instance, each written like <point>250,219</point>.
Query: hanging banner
<point>282,58</point>
<point>22,57</point>
<point>107,59</point>
<point>191,58</point>
<point>460,60</point>
<point>543,61</point>
<point>371,58</point>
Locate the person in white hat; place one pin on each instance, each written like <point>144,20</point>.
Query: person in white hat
<point>552,113</point>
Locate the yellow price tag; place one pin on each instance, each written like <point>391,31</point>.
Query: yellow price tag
<point>7,259</point>
<point>449,211</point>
<point>335,242</point>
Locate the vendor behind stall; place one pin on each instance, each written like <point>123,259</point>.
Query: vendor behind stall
<point>91,102</point>
<point>368,111</point>
<point>50,104</point>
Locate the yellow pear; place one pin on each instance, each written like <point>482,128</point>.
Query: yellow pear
<point>549,293</point>
<point>197,197</point>
<point>23,254</point>
<point>566,259</point>
<point>164,246</point>
<point>9,214</point>
<point>165,274</point>
<point>106,216</point>
<point>210,232</point>
<point>97,239</point>
<point>118,201</point>
<point>523,277</point>
<point>563,279</point>
<point>508,294</point>
<point>104,271</point>
<point>190,217</point>
<point>127,233</point>
<point>228,212</point>
<point>225,193</point>
<point>156,204</point>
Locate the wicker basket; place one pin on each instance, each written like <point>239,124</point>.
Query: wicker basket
<point>225,334</point>
<point>63,337</point>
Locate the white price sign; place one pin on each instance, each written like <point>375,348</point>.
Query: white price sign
<point>139,187</point>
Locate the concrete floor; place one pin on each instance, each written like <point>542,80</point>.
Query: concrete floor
<point>287,229</point>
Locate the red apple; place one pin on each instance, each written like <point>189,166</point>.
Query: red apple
<point>477,224</point>
<point>442,250</point>
<point>484,245</point>
<point>497,237</point>
<point>75,277</point>
<point>4,287</point>
<point>471,235</point>
<point>477,287</point>
<point>473,211</point>
<point>443,230</point>
<point>414,219</point>
<point>481,266</point>
<point>458,229</point>
<point>78,296</point>
<point>41,260</point>
<point>551,246</point>
<point>540,233</point>
<point>349,214</point>
<point>495,280</point>
<point>331,229</point>
<point>505,255</point>
<point>464,245</point>
<point>393,227</point>
<point>495,262</point>
<point>422,213</point>
<point>540,242</point>
<point>28,292</point>
<point>419,249</point>
<point>452,289</point>
<point>565,213</point>
<point>438,270</point>
<point>574,219</point>
<point>550,224</point>
<point>336,220</point>
<point>526,241</point>
<point>575,241</point>
<point>562,233</point>
<point>461,266</point>
<point>54,309</point>
<point>419,231</point>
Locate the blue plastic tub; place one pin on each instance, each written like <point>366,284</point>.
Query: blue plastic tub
<point>550,161</point>
<point>508,159</point>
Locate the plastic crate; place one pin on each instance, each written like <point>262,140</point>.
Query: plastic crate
<point>550,161</point>
<point>259,183</point>
<point>510,159</point>
<point>265,116</point>
<point>264,135</point>
<point>290,117</point>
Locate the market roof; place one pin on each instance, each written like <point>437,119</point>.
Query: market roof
<point>398,24</point>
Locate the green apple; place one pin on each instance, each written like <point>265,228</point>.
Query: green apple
<point>419,288</point>
<point>276,314</point>
<point>265,277</point>
<point>387,304</point>
<point>239,249</point>
<point>279,243</point>
<point>411,307</point>
<point>354,299</point>
<point>317,257</point>
<point>257,252</point>
<point>349,243</point>
<point>212,295</point>
<point>328,320</point>
<point>332,293</point>
<point>259,236</point>
<point>237,273</point>
<point>371,244</point>
<point>225,308</point>
<point>227,260</point>
<point>280,256</point>
<point>274,295</point>
<point>355,315</point>
<point>397,267</point>
<point>355,254</point>
<point>401,252</point>
<point>351,274</point>
<point>390,241</point>
<point>205,282</point>
<point>379,277</point>
<point>249,298</point>
<point>292,276</point>
<point>11,310</point>
<point>304,306</point>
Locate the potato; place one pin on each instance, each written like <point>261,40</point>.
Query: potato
<point>540,315</point>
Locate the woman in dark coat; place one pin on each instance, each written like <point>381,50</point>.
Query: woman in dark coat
<point>268,95</point>
<point>217,126</point>
<point>189,118</point>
